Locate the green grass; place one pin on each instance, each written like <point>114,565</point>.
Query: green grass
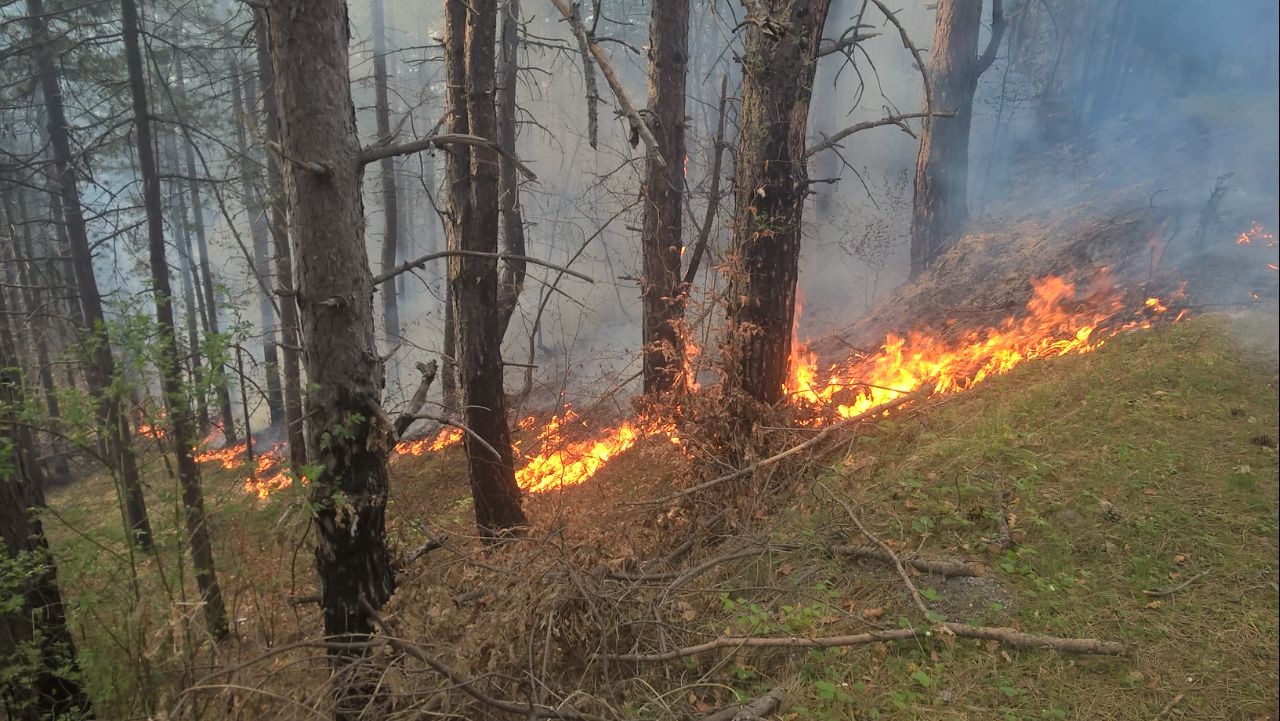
<point>1138,467</point>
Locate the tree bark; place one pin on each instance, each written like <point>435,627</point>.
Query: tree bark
<point>175,399</point>
<point>390,202</point>
<point>513,270</point>
<point>289,333</point>
<point>778,69</point>
<point>940,208</point>
<point>348,433</point>
<point>662,193</point>
<point>35,626</point>
<point>473,199</point>
<point>101,375</point>
<point>192,315</point>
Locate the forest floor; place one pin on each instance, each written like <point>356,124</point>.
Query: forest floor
<point>1138,484</point>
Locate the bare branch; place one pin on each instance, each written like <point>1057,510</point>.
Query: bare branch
<point>380,150</point>
<point>406,419</point>
<point>899,120</point>
<point>997,33</point>
<point>915,53</point>
<point>713,193</point>
<point>421,260</point>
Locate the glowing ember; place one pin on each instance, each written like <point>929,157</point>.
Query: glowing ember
<point>905,364</point>
<point>1256,232</point>
<point>152,428</point>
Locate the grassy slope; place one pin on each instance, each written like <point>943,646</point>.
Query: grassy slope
<point>1137,467</point>
<point>1128,469</point>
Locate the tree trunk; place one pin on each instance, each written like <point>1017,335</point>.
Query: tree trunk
<point>390,202</point>
<point>292,342</point>
<point>473,209</point>
<point>192,315</point>
<point>101,375</point>
<point>941,205</point>
<point>662,194</point>
<point>348,436</point>
<point>513,270</point>
<point>175,400</point>
<point>778,70</point>
<point>260,271</point>
<point>32,621</point>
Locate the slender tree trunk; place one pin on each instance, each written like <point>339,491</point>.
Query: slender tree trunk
<point>258,232</point>
<point>513,270</point>
<point>940,209</point>
<point>771,179</point>
<point>347,432</point>
<point>663,194</point>
<point>102,371</point>
<point>390,202</point>
<point>292,341</point>
<point>176,408</point>
<point>32,619</point>
<point>473,199</point>
<point>191,317</point>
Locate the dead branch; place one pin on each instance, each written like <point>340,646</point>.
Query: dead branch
<point>826,433</point>
<point>915,53</point>
<point>470,433</point>
<point>380,150</point>
<point>421,260</point>
<point>529,711</point>
<point>628,108</point>
<point>322,171</point>
<point>1175,589</point>
<point>406,419</point>
<point>897,562</point>
<point>845,42</point>
<point>713,193</point>
<point>949,569</point>
<point>589,84</point>
<point>997,33</point>
<point>756,710</point>
<point>1007,636</point>
<point>834,139</point>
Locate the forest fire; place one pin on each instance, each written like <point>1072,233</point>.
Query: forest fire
<point>1050,328</point>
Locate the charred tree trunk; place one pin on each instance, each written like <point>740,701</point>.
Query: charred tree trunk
<point>292,342</point>
<point>941,205</point>
<point>258,232</point>
<point>32,622</point>
<point>513,269</point>
<point>175,400</point>
<point>101,375</point>
<point>663,194</point>
<point>348,436</point>
<point>473,209</point>
<point>390,201</point>
<point>778,70</point>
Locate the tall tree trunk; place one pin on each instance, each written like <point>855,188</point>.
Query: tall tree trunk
<point>941,205</point>
<point>175,400</point>
<point>101,375</point>
<point>258,232</point>
<point>192,314</point>
<point>292,342</point>
<point>32,620</point>
<point>663,194</point>
<point>390,202</point>
<point>470,31</point>
<point>209,320</point>
<point>348,437</point>
<point>778,69</point>
<point>513,269</point>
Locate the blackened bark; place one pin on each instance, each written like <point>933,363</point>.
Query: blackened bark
<point>175,400</point>
<point>289,334</point>
<point>473,199</point>
<point>348,435</point>
<point>778,70</point>
<point>941,205</point>
<point>663,194</point>
<point>390,202</point>
<point>513,270</point>
<point>37,621</point>
<point>101,374</point>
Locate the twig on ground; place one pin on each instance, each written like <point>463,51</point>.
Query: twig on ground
<point>1169,706</point>
<point>756,710</point>
<point>884,548</point>
<point>1175,589</point>
<point>938,568</point>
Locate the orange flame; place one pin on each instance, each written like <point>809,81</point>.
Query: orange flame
<point>573,462</point>
<point>1256,231</point>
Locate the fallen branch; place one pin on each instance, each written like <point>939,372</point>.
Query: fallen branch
<point>756,710</point>
<point>948,569</point>
<point>530,711</point>
<point>1175,589</point>
<point>422,260</point>
<point>628,108</point>
<point>817,439</point>
<point>884,548</point>
<point>1007,636</point>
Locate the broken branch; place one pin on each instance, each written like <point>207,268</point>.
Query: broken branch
<point>899,120</point>
<point>422,259</point>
